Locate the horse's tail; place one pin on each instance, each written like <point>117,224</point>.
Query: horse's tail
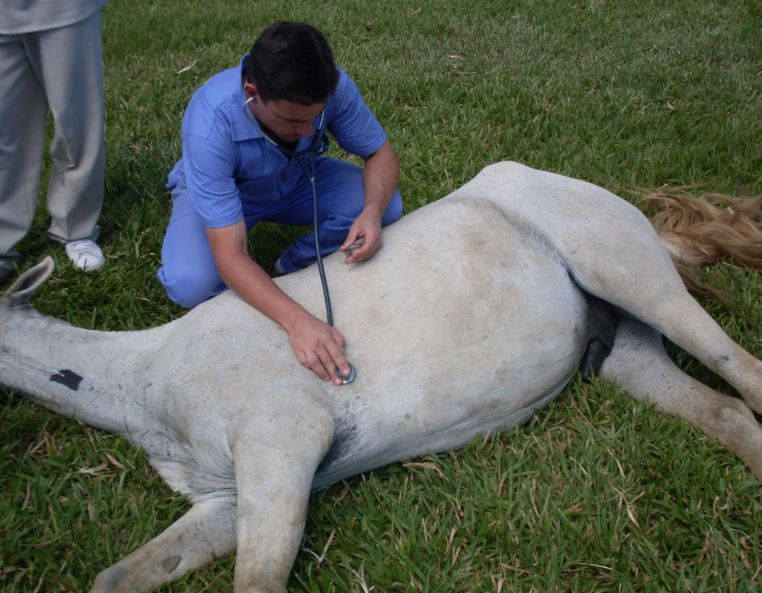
<point>704,230</point>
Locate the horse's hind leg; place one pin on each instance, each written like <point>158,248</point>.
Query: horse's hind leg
<point>681,319</point>
<point>665,305</point>
<point>630,268</point>
<point>207,530</point>
<point>639,364</point>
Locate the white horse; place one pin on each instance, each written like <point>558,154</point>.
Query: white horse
<point>477,311</point>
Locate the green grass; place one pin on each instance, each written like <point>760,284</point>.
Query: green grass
<point>598,493</point>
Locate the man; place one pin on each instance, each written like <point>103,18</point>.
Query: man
<point>51,59</point>
<point>235,173</point>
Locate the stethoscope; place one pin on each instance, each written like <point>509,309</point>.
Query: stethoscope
<point>317,146</point>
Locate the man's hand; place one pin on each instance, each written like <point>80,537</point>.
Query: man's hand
<point>363,240</point>
<point>318,347</point>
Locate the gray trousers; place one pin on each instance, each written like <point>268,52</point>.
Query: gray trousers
<point>61,70</point>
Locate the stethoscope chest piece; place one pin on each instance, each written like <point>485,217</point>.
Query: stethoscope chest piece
<point>349,377</point>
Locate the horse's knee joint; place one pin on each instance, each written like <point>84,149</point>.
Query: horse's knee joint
<point>728,420</point>
<point>171,563</point>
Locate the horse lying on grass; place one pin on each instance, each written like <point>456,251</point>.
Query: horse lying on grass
<point>478,310</point>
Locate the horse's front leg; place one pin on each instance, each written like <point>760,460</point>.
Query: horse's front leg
<point>275,457</point>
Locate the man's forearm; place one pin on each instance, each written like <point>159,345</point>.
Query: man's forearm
<point>248,280</point>
<point>382,172</point>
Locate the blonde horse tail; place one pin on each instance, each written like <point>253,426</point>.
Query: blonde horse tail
<point>705,230</point>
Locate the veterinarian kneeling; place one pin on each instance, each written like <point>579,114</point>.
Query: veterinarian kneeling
<point>246,132</point>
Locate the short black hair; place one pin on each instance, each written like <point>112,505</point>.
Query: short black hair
<point>292,61</point>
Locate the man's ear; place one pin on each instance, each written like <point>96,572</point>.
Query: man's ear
<point>250,89</point>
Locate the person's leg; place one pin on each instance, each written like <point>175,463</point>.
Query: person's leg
<point>22,135</point>
<point>70,66</point>
<point>341,197</point>
<point>188,271</point>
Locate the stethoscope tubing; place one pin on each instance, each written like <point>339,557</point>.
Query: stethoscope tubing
<point>312,150</point>
<point>297,155</point>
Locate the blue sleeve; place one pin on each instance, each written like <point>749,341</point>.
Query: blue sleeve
<point>210,160</point>
<point>351,122</point>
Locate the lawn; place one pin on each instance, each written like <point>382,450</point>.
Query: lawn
<point>598,493</point>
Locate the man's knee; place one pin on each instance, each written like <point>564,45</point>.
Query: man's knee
<point>189,287</point>
<point>393,210</point>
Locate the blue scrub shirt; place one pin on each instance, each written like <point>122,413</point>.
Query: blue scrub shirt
<point>227,163</point>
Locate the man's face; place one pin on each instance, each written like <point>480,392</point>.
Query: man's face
<point>289,121</point>
<point>286,120</point>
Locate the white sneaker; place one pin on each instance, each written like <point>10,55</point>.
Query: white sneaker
<point>85,255</point>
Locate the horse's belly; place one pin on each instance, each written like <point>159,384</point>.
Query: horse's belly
<point>482,324</point>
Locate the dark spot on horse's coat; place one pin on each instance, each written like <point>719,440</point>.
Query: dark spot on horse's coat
<point>171,563</point>
<point>343,437</point>
<point>67,378</point>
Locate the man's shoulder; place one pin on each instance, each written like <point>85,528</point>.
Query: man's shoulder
<point>344,81</point>
<point>346,88</point>
<point>222,88</point>
<point>212,101</point>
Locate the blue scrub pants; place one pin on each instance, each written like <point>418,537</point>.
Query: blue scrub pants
<point>188,271</point>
